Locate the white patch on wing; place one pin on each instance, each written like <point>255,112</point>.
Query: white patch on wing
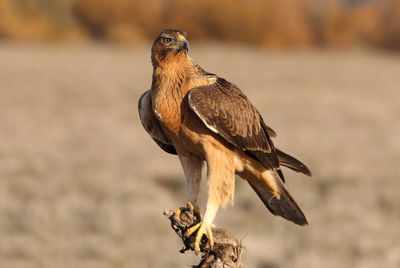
<point>158,115</point>
<point>213,129</point>
<point>209,126</point>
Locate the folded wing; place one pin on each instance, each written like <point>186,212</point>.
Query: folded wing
<point>225,110</point>
<point>151,124</point>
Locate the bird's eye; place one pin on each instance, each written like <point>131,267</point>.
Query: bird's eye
<point>166,40</point>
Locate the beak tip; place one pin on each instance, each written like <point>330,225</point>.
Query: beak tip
<point>185,45</point>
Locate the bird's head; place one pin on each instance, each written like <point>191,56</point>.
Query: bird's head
<point>169,42</point>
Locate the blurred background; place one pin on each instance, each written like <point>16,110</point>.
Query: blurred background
<point>82,184</point>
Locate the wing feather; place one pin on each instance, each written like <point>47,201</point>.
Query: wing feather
<point>292,163</point>
<point>151,124</point>
<point>225,110</point>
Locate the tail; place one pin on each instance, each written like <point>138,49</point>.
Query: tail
<point>285,207</point>
<point>292,163</point>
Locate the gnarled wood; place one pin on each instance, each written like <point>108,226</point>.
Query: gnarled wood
<point>226,252</point>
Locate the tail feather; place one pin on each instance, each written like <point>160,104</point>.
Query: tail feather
<point>285,207</point>
<point>292,163</point>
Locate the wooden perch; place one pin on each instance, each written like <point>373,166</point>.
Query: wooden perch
<point>226,252</point>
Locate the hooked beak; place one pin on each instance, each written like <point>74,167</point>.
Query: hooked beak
<point>183,44</point>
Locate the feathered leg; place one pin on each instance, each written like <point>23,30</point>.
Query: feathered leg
<point>221,185</point>
<point>192,166</point>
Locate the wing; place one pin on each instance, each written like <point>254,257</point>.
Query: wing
<point>151,124</point>
<point>292,163</point>
<point>225,110</point>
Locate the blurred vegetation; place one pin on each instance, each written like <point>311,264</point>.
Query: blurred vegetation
<point>269,23</point>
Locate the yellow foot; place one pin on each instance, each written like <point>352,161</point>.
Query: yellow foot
<point>191,207</point>
<point>177,215</point>
<point>202,228</point>
<point>195,209</point>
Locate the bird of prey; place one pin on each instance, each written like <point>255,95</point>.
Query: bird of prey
<point>202,117</point>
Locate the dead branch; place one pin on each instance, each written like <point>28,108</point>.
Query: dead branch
<point>226,252</point>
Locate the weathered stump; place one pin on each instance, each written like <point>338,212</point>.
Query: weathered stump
<point>226,252</point>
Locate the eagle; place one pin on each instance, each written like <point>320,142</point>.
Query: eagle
<point>203,118</point>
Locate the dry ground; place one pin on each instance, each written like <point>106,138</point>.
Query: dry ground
<point>82,185</point>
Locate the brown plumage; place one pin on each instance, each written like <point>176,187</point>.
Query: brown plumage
<point>204,118</point>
